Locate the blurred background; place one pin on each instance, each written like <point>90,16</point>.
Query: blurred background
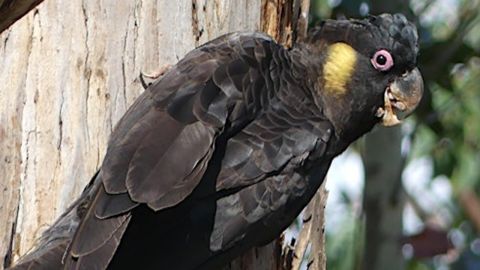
<point>408,197</point>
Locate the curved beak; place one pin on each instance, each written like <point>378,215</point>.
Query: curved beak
<point>401,98</point>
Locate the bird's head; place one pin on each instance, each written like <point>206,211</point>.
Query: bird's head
<point>367,69</point>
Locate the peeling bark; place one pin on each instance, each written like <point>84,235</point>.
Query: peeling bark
<point>312,235</point>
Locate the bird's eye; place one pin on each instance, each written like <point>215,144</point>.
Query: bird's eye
<point>382,60</point>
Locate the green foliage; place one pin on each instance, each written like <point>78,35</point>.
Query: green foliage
<point>344,249</point>
<point>455,147</point>
<point>449,128</point>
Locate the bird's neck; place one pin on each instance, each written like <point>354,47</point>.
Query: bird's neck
<point>339,108</point>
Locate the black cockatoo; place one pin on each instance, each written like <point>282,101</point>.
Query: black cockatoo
<point>224,151</point>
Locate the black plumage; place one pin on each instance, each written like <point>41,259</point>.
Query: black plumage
<point>224,151</point>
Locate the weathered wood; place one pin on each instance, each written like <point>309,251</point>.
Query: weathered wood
<point>312,234</point>
<point>12,10</point>
<point>277,20</point>
<point>318,254</point>
<point>68,72</point>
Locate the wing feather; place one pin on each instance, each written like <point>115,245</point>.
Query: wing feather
<point>109,205</point>
<point>147,182</point>
<point>162,146</point>
<point>102,255</point>
<point>102,229</point>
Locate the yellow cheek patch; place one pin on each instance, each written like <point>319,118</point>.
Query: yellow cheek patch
<point>338,67</point>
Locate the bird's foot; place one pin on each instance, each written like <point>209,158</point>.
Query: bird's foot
<point>153,76</point>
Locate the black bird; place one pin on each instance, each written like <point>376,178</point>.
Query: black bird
<point>224,151</point>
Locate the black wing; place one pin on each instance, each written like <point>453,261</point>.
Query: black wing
<point>161,148</point>
<point>221,109</point>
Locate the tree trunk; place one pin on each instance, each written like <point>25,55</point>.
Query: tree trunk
<point>383,200</point>
<point>68,72</point>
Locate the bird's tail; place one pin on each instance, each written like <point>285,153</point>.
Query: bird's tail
<point>50,249</point>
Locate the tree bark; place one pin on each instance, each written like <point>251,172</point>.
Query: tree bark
<point>312,234</point>
<point>68,72</point>
<point>383,200</point>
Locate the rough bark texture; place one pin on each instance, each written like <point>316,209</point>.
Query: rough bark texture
<point>68,72</point>
<point>12,10</point>
<point>312,235</point>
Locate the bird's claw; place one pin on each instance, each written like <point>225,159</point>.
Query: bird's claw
<point>153,76</point>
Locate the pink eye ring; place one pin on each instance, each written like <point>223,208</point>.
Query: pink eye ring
<point>382,60</point>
